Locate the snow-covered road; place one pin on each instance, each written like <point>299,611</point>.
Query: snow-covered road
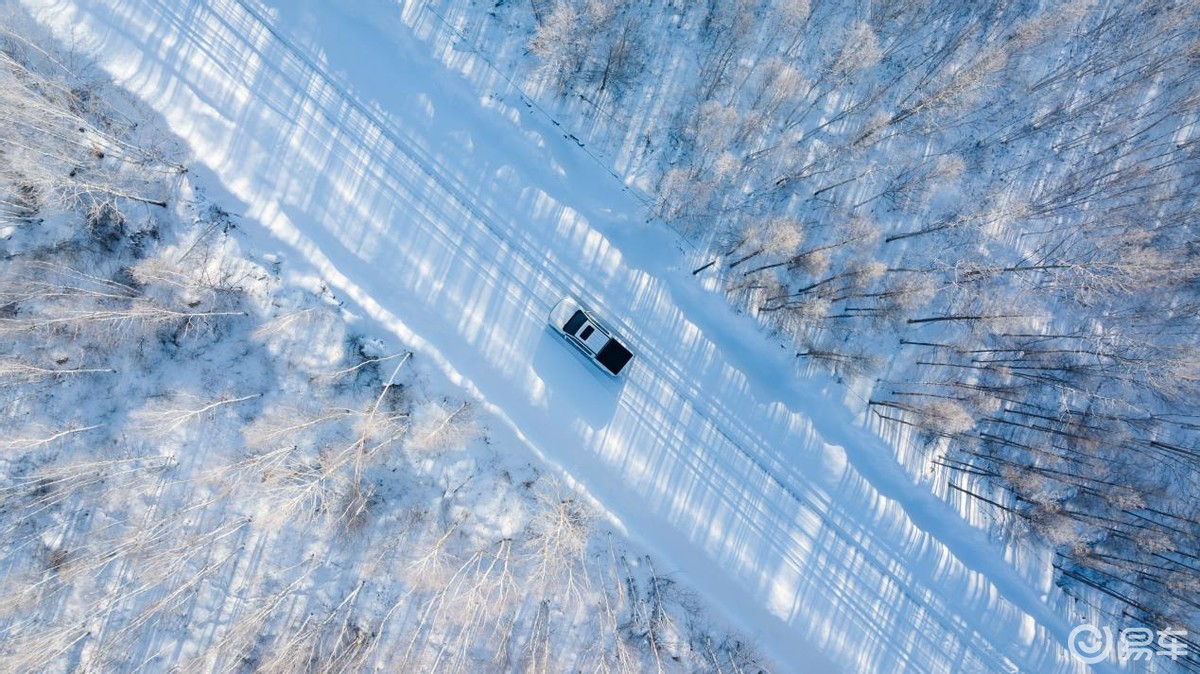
<point>454,220</point>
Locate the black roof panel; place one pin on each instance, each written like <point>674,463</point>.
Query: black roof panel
<point>614,356</point>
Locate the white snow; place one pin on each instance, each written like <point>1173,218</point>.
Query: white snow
<point>452,223</point>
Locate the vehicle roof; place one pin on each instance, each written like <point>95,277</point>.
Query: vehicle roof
<point>596,339</point>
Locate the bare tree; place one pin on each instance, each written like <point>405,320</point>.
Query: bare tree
<point>441,424</point>
<point>561,44</point>
<point>558,535</point>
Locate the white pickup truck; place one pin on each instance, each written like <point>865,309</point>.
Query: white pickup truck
<point>577,325</point>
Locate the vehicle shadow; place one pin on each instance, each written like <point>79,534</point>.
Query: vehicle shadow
<point>574,387</point>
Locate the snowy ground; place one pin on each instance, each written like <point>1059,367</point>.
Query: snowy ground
<point>363,160</point>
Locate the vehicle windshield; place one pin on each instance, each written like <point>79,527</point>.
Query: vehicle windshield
<point>575,321</point>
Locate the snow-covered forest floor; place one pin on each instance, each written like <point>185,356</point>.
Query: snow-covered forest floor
<point>207,467</point>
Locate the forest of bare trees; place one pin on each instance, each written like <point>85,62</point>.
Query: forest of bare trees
<point>987,209</point>
<point>204,469</point>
